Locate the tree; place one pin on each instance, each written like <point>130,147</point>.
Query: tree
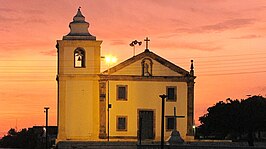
<point>12,132</point>
<point>254,112</point>
<point>235,118</point>
<point>22,139</point>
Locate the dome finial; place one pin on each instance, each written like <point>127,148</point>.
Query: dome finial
<point>79,10</point>
<point>79,15</point>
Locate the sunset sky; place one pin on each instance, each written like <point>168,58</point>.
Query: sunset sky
<point>225,38</point>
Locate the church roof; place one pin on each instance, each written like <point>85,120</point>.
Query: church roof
<point>148,53</point>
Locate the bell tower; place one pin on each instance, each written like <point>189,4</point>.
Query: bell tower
<point>77,78</point>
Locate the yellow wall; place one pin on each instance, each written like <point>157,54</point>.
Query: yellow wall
<point>145,95</point>
<point>78,91</point>
<point>81,104</point>
<point>66,56</point>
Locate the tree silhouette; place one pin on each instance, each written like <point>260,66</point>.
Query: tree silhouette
<point>12,132</point>
<point>235,118</point>
<point>22,139</point>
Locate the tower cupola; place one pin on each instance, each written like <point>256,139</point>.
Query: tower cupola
<point>79,28</point>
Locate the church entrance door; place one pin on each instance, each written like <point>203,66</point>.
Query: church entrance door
<point>146,121</point>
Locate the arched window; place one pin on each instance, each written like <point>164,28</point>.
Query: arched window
<point>146,67</point>
<point>79,58</point>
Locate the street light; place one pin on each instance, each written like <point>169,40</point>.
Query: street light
<point>46,126</point>
<point>109,60</point>
<point>163,96</point>
<point>194,130</point>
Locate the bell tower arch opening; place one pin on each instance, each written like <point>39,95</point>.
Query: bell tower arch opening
<point>79,58</point>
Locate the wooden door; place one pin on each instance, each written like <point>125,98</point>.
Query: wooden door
<point>146,118</point>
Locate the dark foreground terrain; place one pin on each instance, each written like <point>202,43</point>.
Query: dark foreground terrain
<point>156,145</point>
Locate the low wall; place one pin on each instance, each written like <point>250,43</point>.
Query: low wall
<point>156,145</point>
<point>95,145</point>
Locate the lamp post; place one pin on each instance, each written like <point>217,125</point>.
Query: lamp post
<point>194,130</point>
<point>109,60</point>
<point>162,120</point>
<point>46,126</point>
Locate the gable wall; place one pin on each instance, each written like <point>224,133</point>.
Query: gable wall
<point>136,69</point>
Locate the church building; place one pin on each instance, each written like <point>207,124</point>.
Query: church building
<point>115,104</point>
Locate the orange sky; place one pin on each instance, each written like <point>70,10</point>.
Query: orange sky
<point>225,38</point>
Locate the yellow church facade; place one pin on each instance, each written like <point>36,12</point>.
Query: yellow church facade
<point>122,102</point>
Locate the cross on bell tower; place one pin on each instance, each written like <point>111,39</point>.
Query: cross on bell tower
<point>147,43</point>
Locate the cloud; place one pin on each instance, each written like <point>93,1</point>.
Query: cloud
<point>6,19</point>
<point>168,35</point>
<point>202,46</point>
<point>227,25</point>
<point>218,27</point>
<point>178,22</point>
<point>118,42</point>
<point>255,9</point>
<point>4,29</point>
<point>49,53</point>
<point>27,16</point>
<point>33,11</point>
<point>20,44</point>
<point>251,36</point>
<point>7,10</point>
<point>206,46</point>
<point>15,11</point>
<point>34,20</point>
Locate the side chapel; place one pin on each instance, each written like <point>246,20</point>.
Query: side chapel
<point>95,105</point>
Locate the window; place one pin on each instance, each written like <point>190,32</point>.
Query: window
<point>122,92</point>
<point>121,123</point>
<point>170,123</point>
<point>171,93</point>
<point>79,58</point>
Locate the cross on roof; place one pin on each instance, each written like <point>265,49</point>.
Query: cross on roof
<point>147,42</point>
